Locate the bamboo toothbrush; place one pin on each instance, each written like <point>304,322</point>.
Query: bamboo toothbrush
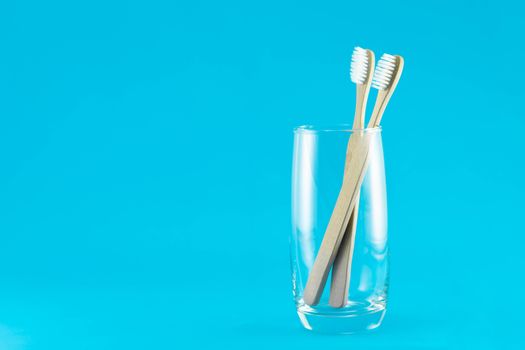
<point>361,71</point>
<point>385,79</point>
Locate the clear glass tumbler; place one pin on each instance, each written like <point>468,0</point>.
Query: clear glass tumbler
<point>318,167</point>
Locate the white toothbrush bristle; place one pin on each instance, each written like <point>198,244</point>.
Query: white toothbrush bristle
<point>384,72</point>
<point>359,66</point>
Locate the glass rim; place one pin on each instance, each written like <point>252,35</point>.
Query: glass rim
<point>313,129</point>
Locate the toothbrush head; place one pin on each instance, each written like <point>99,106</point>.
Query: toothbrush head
<point>388,69</point>
<point>360,65</point>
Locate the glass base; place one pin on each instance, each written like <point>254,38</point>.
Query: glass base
<point>340,321</point>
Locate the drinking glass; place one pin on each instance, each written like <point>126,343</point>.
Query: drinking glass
<point>318,167</point>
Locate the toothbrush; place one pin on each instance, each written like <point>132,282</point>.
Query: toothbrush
<point>385,79</point>
<point>361,73</point>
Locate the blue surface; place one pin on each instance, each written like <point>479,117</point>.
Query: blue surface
<point>146,160</point>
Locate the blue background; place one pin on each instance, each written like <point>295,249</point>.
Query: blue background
<point>146,158</point>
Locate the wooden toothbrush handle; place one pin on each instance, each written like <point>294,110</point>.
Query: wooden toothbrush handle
<point>342,264</point>
<point>346,200</point>
<point>341,269</point>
